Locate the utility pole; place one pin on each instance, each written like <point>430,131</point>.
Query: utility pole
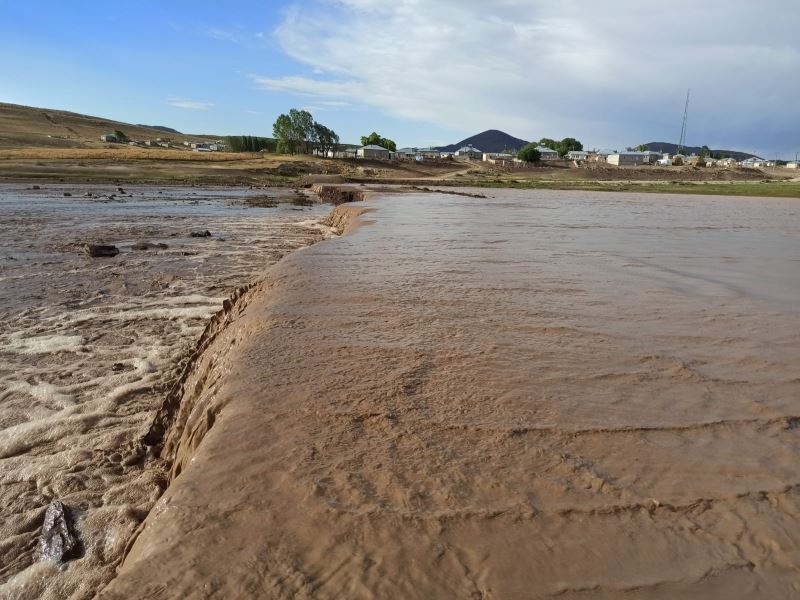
<point>682,141</point>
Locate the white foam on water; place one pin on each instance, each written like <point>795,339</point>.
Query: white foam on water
<point>190,299</point>
<point>30,583</point>
<point>46,344</point>
<point>124,313</point>
<point>44,392</point>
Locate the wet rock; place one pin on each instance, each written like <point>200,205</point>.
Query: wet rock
<point>58,541</point>
<point>67,194</point>
<point>120,190</point>
<point>35,187</point>
<point>100,250</point>
<point>200,234</point>
<point>149,246</point>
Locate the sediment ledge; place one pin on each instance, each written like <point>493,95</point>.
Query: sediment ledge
<point>186,414</point>
<point>337,194</point>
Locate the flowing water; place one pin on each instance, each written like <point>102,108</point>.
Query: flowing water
<point>88,347</point>
<point>536,394</point>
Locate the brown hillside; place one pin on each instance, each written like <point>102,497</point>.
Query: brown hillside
<point>27,126</point>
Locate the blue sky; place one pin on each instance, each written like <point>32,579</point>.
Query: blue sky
<point>421,72</point>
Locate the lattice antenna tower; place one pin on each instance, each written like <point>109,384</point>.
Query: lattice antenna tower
<point>682,142</point>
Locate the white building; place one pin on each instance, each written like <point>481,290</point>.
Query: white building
<point>793,165</point>
<point>630,159</point>
<point>109,137</point>
<point>373,152</point>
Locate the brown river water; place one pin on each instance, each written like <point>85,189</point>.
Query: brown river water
<point>534,394</point>
<point>88,347</point>
<point>537,394</point>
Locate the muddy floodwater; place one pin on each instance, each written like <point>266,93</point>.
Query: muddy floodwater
<point>536,394</point>
<point>89,346</point>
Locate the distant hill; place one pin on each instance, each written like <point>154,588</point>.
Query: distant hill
<point>162,128</point>
<point>27,126</point>
<point>673,149</point>
<point>488,141</point>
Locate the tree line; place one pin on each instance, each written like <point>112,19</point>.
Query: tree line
<point>250,143</point>
<point>530,153</point>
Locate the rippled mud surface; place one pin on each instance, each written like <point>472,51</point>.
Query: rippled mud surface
<point>538,394</point>
<point>88,347</point>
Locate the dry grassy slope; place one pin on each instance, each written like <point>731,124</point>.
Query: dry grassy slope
<point>26,126</point>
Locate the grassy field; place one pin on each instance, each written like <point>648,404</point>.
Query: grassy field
<point>30,127</point>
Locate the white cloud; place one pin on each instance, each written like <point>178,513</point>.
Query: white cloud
<point>224,35</point>
<point>611,73</point>
<point>189,104</point>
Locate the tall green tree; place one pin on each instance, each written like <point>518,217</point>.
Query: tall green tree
<point>302,128</point>
<point>548,143</point>
<point>530,154</point>
<point>376,140</point>
<point>297,131</point>
<point>284,132</point>
<point>325,138</point>
<point>568,144</point>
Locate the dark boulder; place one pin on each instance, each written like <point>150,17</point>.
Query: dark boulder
<point>200,234</point>
<point>58,541</point>
<point>100,250</point>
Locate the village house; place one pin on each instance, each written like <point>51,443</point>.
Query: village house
<point>109,137</point>
<point>546,153</point>
<point>374,152</point>
<point>501,159</point>
<point>418,154</point>
<point>469,152</point>
<point>793,165</point>
<point>577,155</point>
<point>728,162</point>
<point>429,153</point>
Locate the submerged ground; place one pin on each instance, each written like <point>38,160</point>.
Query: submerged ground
<point>90,346</point>
<point>535,394</point>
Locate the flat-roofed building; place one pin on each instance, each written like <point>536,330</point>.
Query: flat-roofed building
<point>630,159</point>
